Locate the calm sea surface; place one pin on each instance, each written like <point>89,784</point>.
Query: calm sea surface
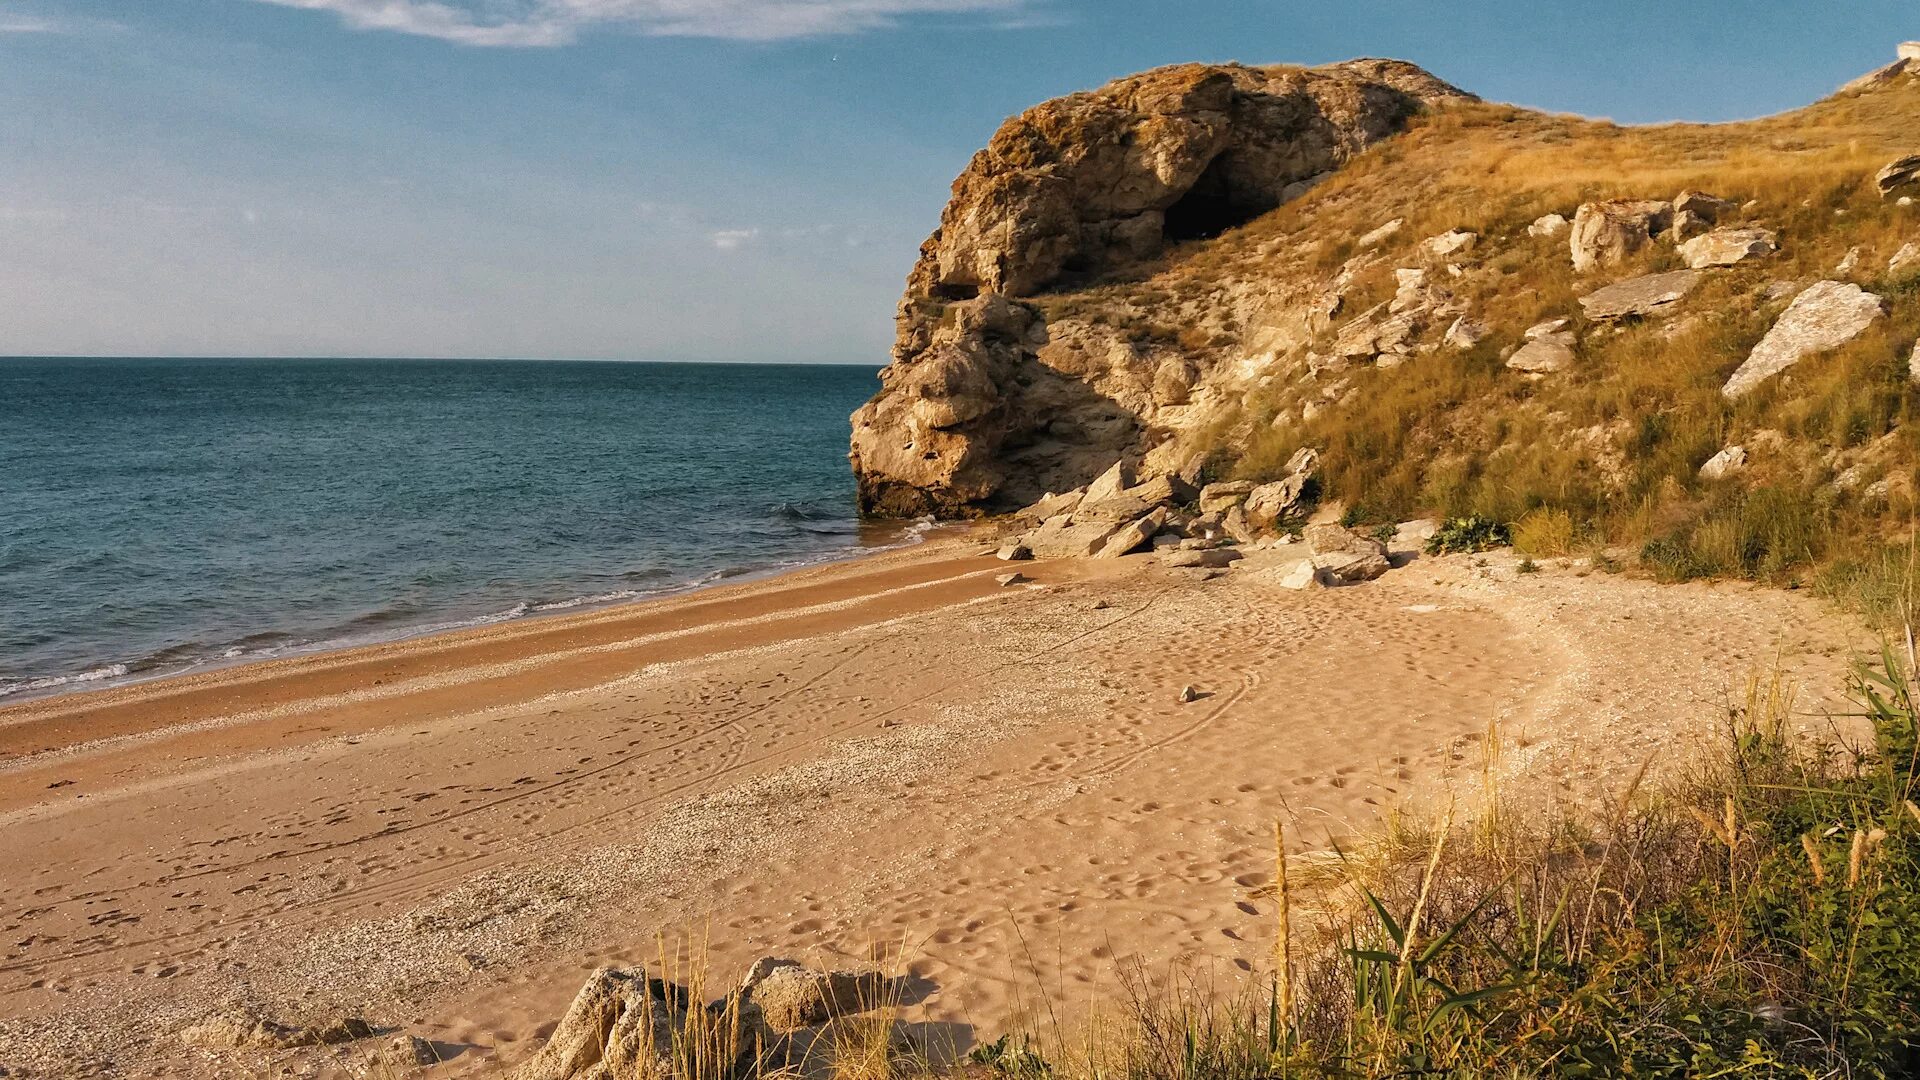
<point>159,515</point>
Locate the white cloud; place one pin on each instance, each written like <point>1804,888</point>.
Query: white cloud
<point>532,23</point>
<point>733,239</point>
<point>20,24</point>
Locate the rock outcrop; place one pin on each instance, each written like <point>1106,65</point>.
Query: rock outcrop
<point>1899,174</point>
<point>984,405</point>
<point>1605,233</point>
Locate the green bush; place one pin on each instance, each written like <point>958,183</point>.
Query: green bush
<point>1463,535</point>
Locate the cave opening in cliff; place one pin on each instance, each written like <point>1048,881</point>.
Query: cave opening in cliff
<point>955,290</point>
<point>1210,207</point>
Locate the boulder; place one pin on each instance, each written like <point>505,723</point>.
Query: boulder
<point>1268,503</point>
<point>1345,556</point>
<point>1218,497</point>
<point>1350,568</point>
<point>621,1024</point>
<point>1725,247</point>
<point>1051,505</point>
<point>1380,235</point>
<point>1847,265</point>
<point>1641,296</point>
<point>1066,538</point>
<point>1209,558</point>
<point>1013,551</point>
<point>1132,537</point>
<point>1236,526</point>
<point>1550,330</point>
<point>789,996</point>
<point>1541,358</point>
<point>1898,174</point>
<point>1376,331</point>
<point>1605,233</point>
<point>1687,224</point>
<point>1410,537</point>
<point>1826,316</point>
<point>1109,484</point>
<point>1010,580</point>
<point>1465,333</point>
<point>1449,244</point>
<point>1325,538</point>
<point>1549,226</point>
<point>1724,464</point>
<point>1704,206</point>
<point>1301,575</point>
<point>1913,364</point>
<point>1907,258</point>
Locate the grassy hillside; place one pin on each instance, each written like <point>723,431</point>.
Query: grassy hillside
<point>1605,455</point>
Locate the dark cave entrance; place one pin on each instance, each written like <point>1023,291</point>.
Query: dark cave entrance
<point>1211,207</point>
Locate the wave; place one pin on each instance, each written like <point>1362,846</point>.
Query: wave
<point>9,686</point>
<point>406,620</point>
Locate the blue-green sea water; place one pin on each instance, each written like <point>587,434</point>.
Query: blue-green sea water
<point>158,515</point>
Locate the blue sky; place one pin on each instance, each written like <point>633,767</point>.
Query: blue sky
<point>666,179</point>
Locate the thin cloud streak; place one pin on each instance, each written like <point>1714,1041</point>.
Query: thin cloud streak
<point>549,23</point>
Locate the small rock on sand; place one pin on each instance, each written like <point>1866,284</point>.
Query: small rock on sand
<point>791,997</point>
<point>1303,575</point>
<point>1188,694</point>
<point>1015,578</point>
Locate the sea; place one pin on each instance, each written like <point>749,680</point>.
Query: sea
<point>166,515</point>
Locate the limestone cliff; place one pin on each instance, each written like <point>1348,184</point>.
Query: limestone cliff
<point>984,405</point>
<point>1676,333</point>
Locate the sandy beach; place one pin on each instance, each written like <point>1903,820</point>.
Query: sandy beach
<point>894,759</point>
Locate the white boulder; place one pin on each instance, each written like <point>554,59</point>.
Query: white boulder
<point>1724,464</point>
<point>1725,247</point>
<point>1826,316</point>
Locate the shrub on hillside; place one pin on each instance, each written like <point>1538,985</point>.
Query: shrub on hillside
<point>1464,535</point>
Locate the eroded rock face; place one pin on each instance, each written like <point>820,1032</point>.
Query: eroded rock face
<point>1106,177</point>
<point>984,405</point>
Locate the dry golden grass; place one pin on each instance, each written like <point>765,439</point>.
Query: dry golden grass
<point>1616,444</point>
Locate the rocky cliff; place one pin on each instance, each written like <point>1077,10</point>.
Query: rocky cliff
<point>984,404</point>
<point>1700,338</point>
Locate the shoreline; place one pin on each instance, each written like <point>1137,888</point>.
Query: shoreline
<point>911,534</point>
<point>130,714</point>
<point>443,835</point>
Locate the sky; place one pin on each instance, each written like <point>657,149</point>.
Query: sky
<point>668,179</point>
